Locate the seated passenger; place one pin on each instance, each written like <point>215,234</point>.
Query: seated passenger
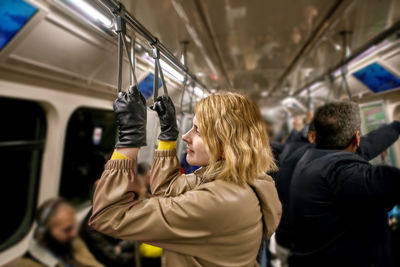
<point>214,217</point>
<point>108,250</point>
<point>338,201</point>
<point>56,241</point>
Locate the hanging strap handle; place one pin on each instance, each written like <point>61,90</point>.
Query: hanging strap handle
<point>158,72</point>
<point>120,29</point>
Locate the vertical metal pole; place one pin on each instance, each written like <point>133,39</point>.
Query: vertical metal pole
<point>344,67</point>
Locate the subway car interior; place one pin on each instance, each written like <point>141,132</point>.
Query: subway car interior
<point>63,62</point>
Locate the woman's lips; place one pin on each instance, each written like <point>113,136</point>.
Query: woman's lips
<point>188,150</point>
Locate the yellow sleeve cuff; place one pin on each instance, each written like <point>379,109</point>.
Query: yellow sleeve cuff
<point>118,156</point>
<point>166,145</point>
<point>149,251</point>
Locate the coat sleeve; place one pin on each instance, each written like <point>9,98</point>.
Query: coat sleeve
<point>167,222</point>
<point>363,183</point>
<point>378,140</point>
<point>165,176</point>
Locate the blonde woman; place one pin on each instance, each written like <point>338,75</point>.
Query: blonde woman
<point>214,217</point>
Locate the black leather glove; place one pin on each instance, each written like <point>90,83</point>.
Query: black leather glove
<point>131,114</point>
<point>166,112</point>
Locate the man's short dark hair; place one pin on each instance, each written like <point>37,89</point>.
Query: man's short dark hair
<point>336,124</point>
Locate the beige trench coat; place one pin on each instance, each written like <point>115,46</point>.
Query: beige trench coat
<point>197,222</point>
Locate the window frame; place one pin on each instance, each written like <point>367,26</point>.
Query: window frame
<point>86,203</point>
<point>36,147</point>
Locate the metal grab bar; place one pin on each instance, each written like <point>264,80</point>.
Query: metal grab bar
<point>118,9</point>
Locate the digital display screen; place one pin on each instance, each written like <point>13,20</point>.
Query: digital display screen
<point>377,78</point>
<point>14,14</point>
<point>146,85</point>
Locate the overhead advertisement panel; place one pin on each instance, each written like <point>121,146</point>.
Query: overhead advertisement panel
<point>146,85</point>
<point>14,14</point>
<point>377,78</point>
<point>373,115</point>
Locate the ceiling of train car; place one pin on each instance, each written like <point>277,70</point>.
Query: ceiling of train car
<point>248,45</point>
<point>267,49</point>
<point>361,22</point>
<point>235,44</point>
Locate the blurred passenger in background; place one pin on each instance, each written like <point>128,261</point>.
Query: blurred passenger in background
<point>371,145</point>
<point>56,241</point>
<point>289,158</point>
<point>270,126</point>
<point>295,134</point>
<point>276,146</point>
<point>143,172</point>
<point>338,201</point>
<point>394,223</point>
<point>298,136</point>
<point>108,250</point>
<point>186,168</point>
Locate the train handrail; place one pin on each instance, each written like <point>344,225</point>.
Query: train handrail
<point>117,9</point>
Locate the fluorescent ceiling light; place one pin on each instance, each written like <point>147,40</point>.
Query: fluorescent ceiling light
<point>287,101</point>
<point>90,11</point>
<point>167,68</point>
<point>176,74</point>
<point>315,85</point>
<point>293,102</point>
<point>197,91</point>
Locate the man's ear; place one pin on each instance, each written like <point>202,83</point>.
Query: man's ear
<point>357,139</point>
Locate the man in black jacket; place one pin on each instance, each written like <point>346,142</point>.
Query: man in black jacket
<point>338,201</point>
<point>371,145</point>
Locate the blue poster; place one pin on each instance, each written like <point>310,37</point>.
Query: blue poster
<point>377,78</point>
<point>14,14</point>
<point>146,85</point>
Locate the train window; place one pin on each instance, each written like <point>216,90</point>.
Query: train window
<point>22,139</point>
<point>90,140</point>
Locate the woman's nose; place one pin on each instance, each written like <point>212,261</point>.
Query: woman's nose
<point>186,137</point>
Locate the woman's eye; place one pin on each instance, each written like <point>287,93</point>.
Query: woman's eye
<point>196,130</point>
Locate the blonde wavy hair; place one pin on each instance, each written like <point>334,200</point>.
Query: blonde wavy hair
<point>236,138</point>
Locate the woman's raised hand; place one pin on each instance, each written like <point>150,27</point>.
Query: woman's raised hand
<point>131,117</point>
<point>166,112</point>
